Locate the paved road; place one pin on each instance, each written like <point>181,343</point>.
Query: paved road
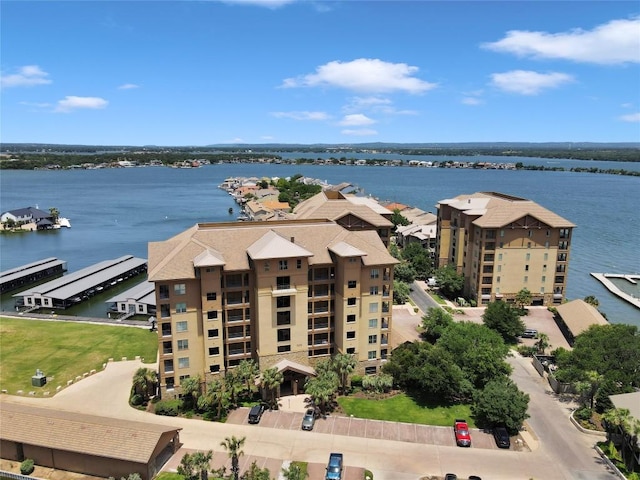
<point>421,298</point>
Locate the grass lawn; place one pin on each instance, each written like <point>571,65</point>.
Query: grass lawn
<point>64,350</point>
<point>437,298</point>
<point>403,408</point>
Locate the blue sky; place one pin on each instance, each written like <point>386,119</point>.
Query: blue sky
<point>294,71</point>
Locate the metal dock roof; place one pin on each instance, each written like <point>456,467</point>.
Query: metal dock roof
<point>144,292</point>
<point>77,282</point>
<point>12,274</point>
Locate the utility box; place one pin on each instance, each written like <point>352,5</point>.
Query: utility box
<point>39,379</point>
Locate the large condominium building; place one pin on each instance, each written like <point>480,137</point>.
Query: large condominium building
<point>502,244</point>
<point>284,294</point>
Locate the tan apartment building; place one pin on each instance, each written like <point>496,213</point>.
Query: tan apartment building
<point>502,244</point>
<point>284,294</point>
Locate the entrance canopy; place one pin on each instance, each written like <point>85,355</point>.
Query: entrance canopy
<point>284,365</point>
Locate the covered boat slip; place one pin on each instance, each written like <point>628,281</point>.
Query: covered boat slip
<point>77,286</point>
<point>31,273</point>
<point>141,299</point>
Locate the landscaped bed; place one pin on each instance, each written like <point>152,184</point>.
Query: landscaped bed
<point>64,350</point>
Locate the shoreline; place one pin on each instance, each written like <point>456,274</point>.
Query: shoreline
<point>609,285</point>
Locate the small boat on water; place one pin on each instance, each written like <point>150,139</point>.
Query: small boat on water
<point>230,211</point>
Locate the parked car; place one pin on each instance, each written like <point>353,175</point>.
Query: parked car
<point>450,476</point>
<point>255,414</point>
<point>530,333</point>
<point>309,419</point>
<point>501,436</point>
<point>461,432</point>
<point>334,467</point>
<point>474,477</point>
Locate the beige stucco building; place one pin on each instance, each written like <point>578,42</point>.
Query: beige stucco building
<point>502,244</point>
<point>284,293</point>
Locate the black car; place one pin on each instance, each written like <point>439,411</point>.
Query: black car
<point>450,476</point>
<point>255,414</point>
<point>501,436</point>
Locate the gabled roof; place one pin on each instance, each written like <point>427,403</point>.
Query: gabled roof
<point>29,211</point>
<point>343,249</point>
<point>334,205</point>
<point>272,245</point>
<point>578,315</point>
<point>285,364</point>
<point>75,432</point>
<point>495,210</point>
<point>208,258</point>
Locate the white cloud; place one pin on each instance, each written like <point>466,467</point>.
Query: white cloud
<point>273,4</point>
<point>128,86</point>
<point>27,76</point>
<point>301,115</point>
<point>527,82</point>
<point>614,42</point>
<point>356,119</point>
<point>71,103</point>
<point>363,75</point>
<point>473,101</point>
<point>631,117</point>
<point>362,132</point>
<point>36,104</point>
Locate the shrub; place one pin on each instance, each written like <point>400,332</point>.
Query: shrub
<point>583,414</point>
<point>356,381</point>
<point>27,467</point>
<point>526,351</point>
<point>136,399</point>
<point>169,408</point>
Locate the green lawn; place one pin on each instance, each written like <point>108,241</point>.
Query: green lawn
<point>437,297</point>
<point>403,408</point>
<point>64,350</point>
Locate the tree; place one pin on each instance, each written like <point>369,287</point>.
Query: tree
<point>542,343</point>
<point>500,402</point>
<point>344,364</point>
<point>398,219</point>
<point>256,473</point>
<point>322,388</point>
<point>504,319</point>
<point>589,388</point>
<point>404,272</point>
<point>234,385</point>
<point>434,322</point>
<point>401,292</point>
<point>523,298</point>
<point>55,214</point>
<point>450,281</point>
<point>191,390</point>
<point>270,381</point>
<point>144,382</point>
<point>233,447</point>
<point>187,467</point>
<point>591,300</point>
<point>216,397</point>
<point>247,371</point>
<point>294,472</point>
<point>419,259</point>
<point>201,463</point>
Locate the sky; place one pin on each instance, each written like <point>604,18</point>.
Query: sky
<point>194,73</point>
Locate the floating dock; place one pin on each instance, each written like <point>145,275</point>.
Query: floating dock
<point>78,286</point>
<point>31,273</point>
<point>609,285</point>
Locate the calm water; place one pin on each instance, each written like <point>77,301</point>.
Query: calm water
<point>114,212</point>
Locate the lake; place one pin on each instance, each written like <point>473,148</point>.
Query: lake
<point>115,212</point>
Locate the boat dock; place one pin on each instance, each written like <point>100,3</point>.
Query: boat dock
<point>82,284</point>
<point>31,273</point>
<point>609,285</point>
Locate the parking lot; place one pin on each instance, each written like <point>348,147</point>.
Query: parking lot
<point>374,429</point>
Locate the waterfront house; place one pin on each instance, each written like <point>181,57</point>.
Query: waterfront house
<point>20,216</point>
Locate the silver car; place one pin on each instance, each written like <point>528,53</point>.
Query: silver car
<point>309,419</point>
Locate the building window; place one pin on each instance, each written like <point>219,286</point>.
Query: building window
<point>283,264</point>
<point>372,354</point>
<point>214,350</point>
<point>163,291</point>
<point>498,279</point>
<point>212,333</point>
<point>373,290</point>
<point>284,334</point>
<point>214,368</point>
<point>502,233</point>
<point>351,301</point>
<point>500,257</point>
<point>373,339</point>
<point>543,279</point>
<point>267,266</point>
<point>212,314</point>
<point>528,244</point>
<point>283,283</point>
<point>351,284</point>
<point>351,318</point>
<point>353,260</point>
<point>283,318</point>
<point>375,273</point>
<point>181,326</point>
<point>373,307</point>
<point>283,302</point>
<point>546,244</point>
<point>499,268</point>
<point>526,279</point>
<point>528,257</point>
<point>298,264</point>
<point>179,289</point>
<point>140,308</point>
<point>370,370</point>
<point>351,350</point>
<point>530,233</point>
<point>183,344</point>
<point>284,348</point>
<point>181,307</point>
<point>526,268</point>
<point>351,335</point>
<point>212,296</point>
<point>544,268</point>
<point>183,362</point>
<point>373,323</point>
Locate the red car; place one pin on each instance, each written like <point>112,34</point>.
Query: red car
<point>461,431</point>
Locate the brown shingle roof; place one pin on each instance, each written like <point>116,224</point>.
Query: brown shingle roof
<point>173,259</point>
<point>87,434</point>
<point>334,205</point>
<point>578,315</point>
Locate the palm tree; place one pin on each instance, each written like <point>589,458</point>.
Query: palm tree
<point>616,422</point>
<point>201,463</point>
<point>232,446</point>
<point>344,364</point>
<point>55,214</point>
<point>190,387</point>
<point>592,300</point>
<point>322,388</point>
<point>543,343</point>
<point>216,397</point>
<point>247,371</point>
<point>233,385</point>
<point>144,382</point>
<point>271,380</point>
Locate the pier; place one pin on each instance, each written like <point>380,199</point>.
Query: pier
<point>609,285</point>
